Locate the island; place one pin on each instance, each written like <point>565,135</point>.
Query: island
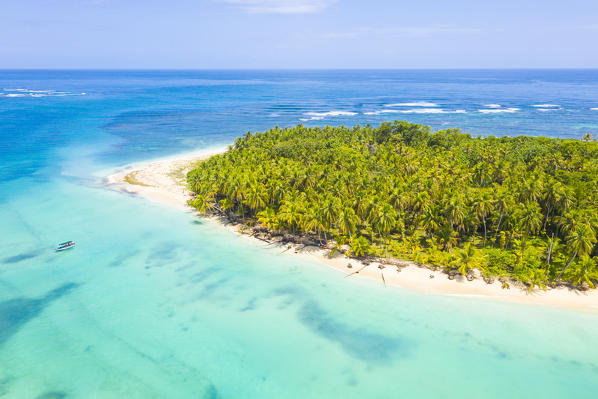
<point>520,210</point>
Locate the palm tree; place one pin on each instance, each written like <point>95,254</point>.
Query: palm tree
<point>290,213</point>
<point>586,271</point>
<point>268,218</point>
<point>311,221</point>
<point>255,197</point>
<point>201,203</point>
<point>360,246</point>
<point>347,222</point>
<point>385,220</point>
<point>226,204</point>
<point>579,242</point>
<point>329,209</point>
<point>531,189</point>
<point>530,220</point>
<point>482,208</point>
<point>466,258</point>
<point>455,212</point>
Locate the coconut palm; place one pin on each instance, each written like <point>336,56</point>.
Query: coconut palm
<point>483,206</point>
<point>347,222</point>
<point>360,246</point>
<point>585,271</point>
<point>529,218</point>
<point>420,194</point>
<point>579,242</point>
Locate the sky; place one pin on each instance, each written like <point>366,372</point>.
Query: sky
<point>298,34</point>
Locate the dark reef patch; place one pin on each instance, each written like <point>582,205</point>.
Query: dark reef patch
<point>211,392</point>
<point>204,274</point>
<point>52,395</point>
<point>20,257</point>
<point>163,254</point>
<point>5,384</point>
<point>15,313</point>
<point>358,342</point>
<point>120,259</point>
<point>212,287</point>
<point>250,305</point>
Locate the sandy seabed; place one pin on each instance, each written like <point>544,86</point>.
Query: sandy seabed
<point>163,181</point>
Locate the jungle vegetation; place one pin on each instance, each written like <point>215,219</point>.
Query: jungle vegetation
<point>520,207</point>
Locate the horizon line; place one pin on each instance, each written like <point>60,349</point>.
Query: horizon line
<point>310,69</point>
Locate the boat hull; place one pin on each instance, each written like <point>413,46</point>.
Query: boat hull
<point>64,248</point>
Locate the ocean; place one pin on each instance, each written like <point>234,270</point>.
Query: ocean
<point>158,303</point>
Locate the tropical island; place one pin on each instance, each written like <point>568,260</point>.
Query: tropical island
<point>518,209</point>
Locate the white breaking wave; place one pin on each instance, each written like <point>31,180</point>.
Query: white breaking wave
<point>316,116</point>
<point>36,93</point>
<point>498,110</point>
<point>416,111</point>
<point>594,109</point>
<point>546,106</point>
<point>413,104</point>
<point>493,106</point>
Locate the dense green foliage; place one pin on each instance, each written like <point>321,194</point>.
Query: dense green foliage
<point>522,207</point>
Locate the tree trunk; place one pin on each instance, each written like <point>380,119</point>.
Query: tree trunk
<point>563,271</point>
<point>498,226</point>
<point>484,220</point>
<point>522,246</point>
<point>549,251</point>
<point>546,218</point>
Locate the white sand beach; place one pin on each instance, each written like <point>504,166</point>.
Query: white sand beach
<point>163,181</point>
<point>160,180</point>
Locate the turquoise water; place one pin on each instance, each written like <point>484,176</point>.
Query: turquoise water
<point>157,303</point>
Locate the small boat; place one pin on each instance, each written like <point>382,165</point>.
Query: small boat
<point>65,245</point>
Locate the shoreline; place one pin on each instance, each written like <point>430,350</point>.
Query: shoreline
<point>163,181</point>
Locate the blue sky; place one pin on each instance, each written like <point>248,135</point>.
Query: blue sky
<point>298,34</point>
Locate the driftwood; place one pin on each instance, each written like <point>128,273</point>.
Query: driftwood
<point>288,247</point>
<point>263,239</point>
<point>356,271</point>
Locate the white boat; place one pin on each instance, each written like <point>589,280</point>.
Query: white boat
<point>65,245</point>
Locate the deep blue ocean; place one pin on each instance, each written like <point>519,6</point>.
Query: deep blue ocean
<point>155,303</point>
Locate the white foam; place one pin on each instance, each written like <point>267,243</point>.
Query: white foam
<point>413,104</point>
<point>549,109</point>
<point>493,106</point>
<point>416,111</point>
<point>37,93</point>
<point>498,111</point>
<point>424,111</point>
<point>384,111</point>
<point>546,106</point>
<point>316,116</point>
<point>594,109</point>
<point>331,113</point>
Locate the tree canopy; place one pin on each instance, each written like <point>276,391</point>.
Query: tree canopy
<point>519,207</point>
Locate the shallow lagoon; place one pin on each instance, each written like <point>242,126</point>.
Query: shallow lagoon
<point>154,302</point>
